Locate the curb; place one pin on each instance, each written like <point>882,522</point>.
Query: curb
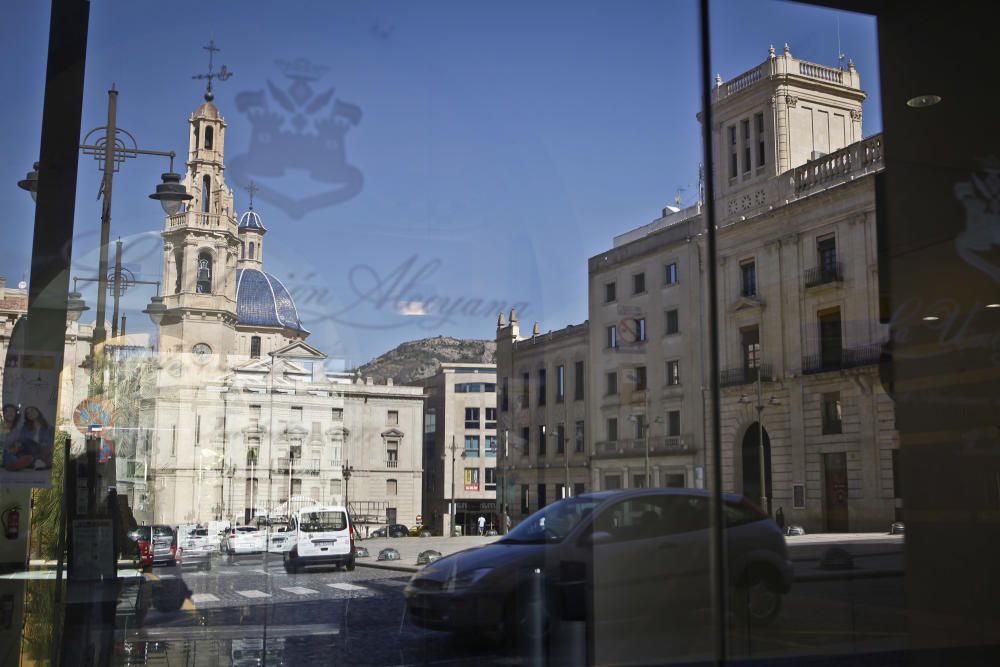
<point>396,568</point>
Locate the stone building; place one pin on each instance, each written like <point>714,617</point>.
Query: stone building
<point>800,335</point>
<point>460,447</point>
<point>542,393</point>
<point>240,416</point>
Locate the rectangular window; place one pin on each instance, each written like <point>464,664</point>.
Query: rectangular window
<point>798,496</point>
<point>561,439</point>
<point>831,345</point>
<point>472,479</point>
<point>472,418</point>
<point>639,283</point>
<point>612,337</point>
<point>525,439</point>
<point>504,394</point>
<point>745,126</point>
<point>560,384</point>
<point>560,490</point>
<point>541,386</point>
<point>612,429</point>
<point>524,499</point>
<point>673,423</point>
<point>750,344</point>
<point>578,488</point>
<point>541,496</point>
<point>525,389</point>
<point>337,414</point>
<point>748,278</point>
<point>471,445</point>
<point>297,413</point>
<point>391,487</point>
<point>831,413</point>
<point>761,153</point>
<point>491,418</point>
<point>578,381</point>
<point>641,324</point>
<point>491,446</point>
<point>612,482</point>
<point>638,481</point>
<point>491,479</point>
<point>640,378</point>
<point>670,274</point>
<point>612,385</point>
<point>673,373</point>
<point>541,440</point>
<point>255,347</point>
<point>392,453</point>
<point>610,292</point>
<point>579,437</point>
<point>254,414</point>
<point>640,425</point>
<point>672,324</point>
<point>336,488</point>
<point>392,418</point>
<point>733,161</point>
<point>826,250</point>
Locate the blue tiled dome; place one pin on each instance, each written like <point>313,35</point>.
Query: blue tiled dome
<point>251,220</point>
<point>261,300</point>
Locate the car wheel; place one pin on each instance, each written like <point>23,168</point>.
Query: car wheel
<point>527,619</point>
<point>349,566</point>
<point>208,566</point>
<point>758,599</point>
<point>291,566</point>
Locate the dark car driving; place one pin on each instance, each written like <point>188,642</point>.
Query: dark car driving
<point>392,530</point>
<point>619,554</point>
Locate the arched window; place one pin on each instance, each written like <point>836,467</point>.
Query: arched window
<point>255,347</point>
<point>243,250</point>
<point>208,138</point>
<point>206,193</point>
<point>251,250</point>
<point>204,284</point>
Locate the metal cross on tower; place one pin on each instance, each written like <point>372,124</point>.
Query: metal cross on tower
<point>251,188</point>
<point>221,75</point>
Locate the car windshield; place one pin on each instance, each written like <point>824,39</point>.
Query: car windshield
<point>321,522</point>
<point>553,523</point>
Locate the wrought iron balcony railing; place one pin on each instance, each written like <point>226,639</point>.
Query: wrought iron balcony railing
<point>836,360</point>
<point>823,275</point>
<point>733,377</point>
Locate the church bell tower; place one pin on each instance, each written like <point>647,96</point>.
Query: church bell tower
<point>201,246</point>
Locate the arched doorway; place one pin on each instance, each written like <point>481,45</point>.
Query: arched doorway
<point>751,466</point>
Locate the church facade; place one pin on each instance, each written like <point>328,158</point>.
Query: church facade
<point>240,417</point>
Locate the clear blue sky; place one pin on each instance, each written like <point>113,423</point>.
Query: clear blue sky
<point>501,144</point>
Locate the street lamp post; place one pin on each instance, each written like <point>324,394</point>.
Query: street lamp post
<point>110,149</point>
<point>346,471</point>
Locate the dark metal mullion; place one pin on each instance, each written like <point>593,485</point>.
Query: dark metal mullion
<point>717,555</point>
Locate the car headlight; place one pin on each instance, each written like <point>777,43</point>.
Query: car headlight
<point>465,579</point>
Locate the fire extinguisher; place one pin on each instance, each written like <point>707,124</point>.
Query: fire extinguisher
<point>11,520</point>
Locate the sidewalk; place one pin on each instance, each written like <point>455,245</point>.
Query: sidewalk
<point>804,550</point>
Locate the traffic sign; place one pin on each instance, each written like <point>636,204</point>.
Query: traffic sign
<point>94,415</point>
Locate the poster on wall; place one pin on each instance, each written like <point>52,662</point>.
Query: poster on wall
<point>27,428</point>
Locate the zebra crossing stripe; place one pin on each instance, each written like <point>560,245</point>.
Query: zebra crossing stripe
<point>254,594</point>
<point>300,590</point>
<point>389,582</point>
<point>203,597</point>
<point>346,587</point>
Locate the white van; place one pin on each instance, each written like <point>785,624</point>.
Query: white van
<point>323,535</point>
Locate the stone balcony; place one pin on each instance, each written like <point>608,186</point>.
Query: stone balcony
<point>200,220</point>
<point>785,66</point>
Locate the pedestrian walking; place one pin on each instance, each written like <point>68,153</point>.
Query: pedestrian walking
<point>779,517</point>
<point>482,524</point>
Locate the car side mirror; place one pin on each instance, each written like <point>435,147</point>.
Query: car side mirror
<point>599,537</point>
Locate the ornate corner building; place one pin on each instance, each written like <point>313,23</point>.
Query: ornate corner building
<point>800,330</point>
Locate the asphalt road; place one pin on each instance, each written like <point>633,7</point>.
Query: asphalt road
<point>253,613</point>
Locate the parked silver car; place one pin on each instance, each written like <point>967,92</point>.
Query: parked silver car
<point>195,549</point>
<point>610,555</point>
